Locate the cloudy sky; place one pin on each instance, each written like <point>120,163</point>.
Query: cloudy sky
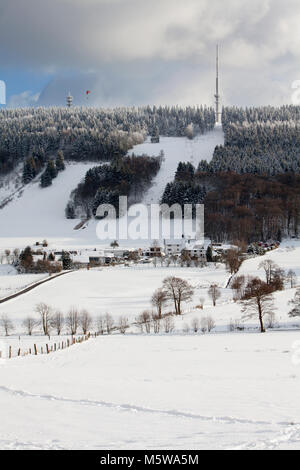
<point>131,52</point>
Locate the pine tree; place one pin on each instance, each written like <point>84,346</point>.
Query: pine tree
<point>60,162</point>
<point>209,254</point>
<point>46,179</point>
<point>52,169</point>
<point>66,261</point>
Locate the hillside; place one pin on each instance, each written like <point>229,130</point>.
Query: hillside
<point>177,150</point>
<point>40,213</point>
<point>127,291</point>
<point>37,213</point>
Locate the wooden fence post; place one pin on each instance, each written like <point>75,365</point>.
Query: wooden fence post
<point>35,350</point>
<point>9,352</point>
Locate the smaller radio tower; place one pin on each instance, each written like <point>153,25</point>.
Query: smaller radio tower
<point>217,95</point>
<point>69,100</point>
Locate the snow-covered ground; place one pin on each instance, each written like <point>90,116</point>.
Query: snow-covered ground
<point>287,256</point>
<point>220,391</point>
<point>40,212</point>
<point>13,282</point>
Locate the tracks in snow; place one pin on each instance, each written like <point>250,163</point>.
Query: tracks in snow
<point>140,409</point>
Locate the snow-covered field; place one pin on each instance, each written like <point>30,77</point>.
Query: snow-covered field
<point>127,291</point>
<point>9,284</point>
<point>222,391</point>
<point>182,391</point>
<point>117,290</point>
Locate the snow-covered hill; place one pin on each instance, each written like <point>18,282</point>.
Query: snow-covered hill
<point>36,213</point>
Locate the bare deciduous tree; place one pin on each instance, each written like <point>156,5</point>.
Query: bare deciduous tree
<point>214,293</point>
<point>210,323</point>
<point>168,323</point>
<point>237,285</point>
<point>203,324</point>
<point>100,325</point>
<point>123,325</point>
<point>144,321</point>
<point>178,290</point>
<point>29,324</point>
<point>158,300</point>
<point>109,323</point>
<point>57,321</point>
<point>195,324</point>
<point>258,301</point>
<point>233,259</point>
<point>6,324</point>
<point>271,320</point>
<point>269,267</point>
<point>85,321</point>
<point>291,278</point>
<point>156,321</point>
<point>45,312</point>
<point>72,320</point>
<point>7,254</point>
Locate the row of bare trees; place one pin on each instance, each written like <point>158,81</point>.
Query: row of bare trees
<point>148,322</point>
<point>50,320</point>
<point>203,324</point>
<point>9,256</point>
<point>74,322</point>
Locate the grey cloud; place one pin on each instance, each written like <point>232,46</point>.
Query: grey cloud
<point>148,50</point>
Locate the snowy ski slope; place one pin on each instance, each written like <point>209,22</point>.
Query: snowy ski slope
<point>40,213</point>
<point>178,149</point>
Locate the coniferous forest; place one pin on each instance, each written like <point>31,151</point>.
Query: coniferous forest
<point>34,135</point>
<point>258,140</point>
<point>128,176</point>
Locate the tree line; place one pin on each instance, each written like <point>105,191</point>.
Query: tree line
<point>263,140</point>
<point>90,133</point>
